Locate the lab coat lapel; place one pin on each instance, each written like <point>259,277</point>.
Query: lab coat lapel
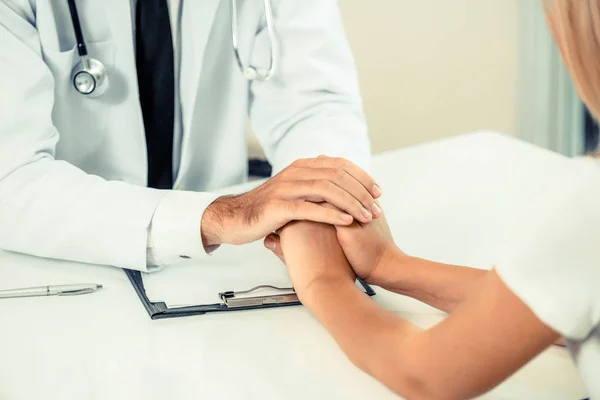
<point>120,15</point>
<point>120,19</point>
<point>197,22</point>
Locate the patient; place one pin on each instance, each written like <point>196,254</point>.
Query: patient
<point>546,283</point>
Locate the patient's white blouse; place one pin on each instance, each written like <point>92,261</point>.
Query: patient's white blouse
<point>552,263</point>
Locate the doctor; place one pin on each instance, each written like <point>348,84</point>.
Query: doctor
<point>106,106</point>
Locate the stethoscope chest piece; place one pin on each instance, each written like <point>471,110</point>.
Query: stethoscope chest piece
<point>250,73</point>
<point>90,77</point>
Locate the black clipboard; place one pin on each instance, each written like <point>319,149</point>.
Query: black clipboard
<point>159,310</point>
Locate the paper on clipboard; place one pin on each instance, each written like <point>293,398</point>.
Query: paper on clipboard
<point>230,268</point>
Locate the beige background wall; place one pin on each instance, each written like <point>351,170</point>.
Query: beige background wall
<point>434,68</point>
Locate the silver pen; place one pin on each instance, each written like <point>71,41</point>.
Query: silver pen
<point>51,290</point>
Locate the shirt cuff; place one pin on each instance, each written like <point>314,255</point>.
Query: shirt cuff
<point>174,233</point>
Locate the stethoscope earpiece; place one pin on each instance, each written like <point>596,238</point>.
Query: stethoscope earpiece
<point>89,77</point>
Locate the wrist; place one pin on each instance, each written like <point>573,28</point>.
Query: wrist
<point>392,261</point>
<point>321,286</point>
<point>211,226</point>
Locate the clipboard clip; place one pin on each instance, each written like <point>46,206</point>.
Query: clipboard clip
<point>233,299</point>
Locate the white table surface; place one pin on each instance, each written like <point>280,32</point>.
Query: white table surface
<point>445,200</point>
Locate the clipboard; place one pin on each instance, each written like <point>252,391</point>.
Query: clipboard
<point>230,300</point>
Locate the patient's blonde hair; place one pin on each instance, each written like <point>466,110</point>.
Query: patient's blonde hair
<point>575,25</point>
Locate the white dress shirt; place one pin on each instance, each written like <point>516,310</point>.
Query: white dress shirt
<point>175,227</point>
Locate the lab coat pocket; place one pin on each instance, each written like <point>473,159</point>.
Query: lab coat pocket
<point>81,120</point>
<point>61,63</point>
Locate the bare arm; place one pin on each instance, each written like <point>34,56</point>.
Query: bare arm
<point>439,285</point>
<point>442,286</point>
<point>375,258</point>
<point>465,355</point>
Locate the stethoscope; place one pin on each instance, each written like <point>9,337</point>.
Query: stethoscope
<point>90,77</point>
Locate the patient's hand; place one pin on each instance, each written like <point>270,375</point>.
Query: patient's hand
<point>368,248</point>
<point>312,253</point>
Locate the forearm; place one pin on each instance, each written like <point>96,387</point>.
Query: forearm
<point>82,217</point>
<point>324,281</point>
<point>462,357</point>
<point>369,335</point>
<point>442,286</point>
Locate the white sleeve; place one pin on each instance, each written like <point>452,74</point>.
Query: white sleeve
<point>174,233</point>
<point>313,105</point>
<point>51,208</point>
<point>552,262</point>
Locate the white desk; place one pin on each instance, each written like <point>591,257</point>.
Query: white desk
<point>445,201</point>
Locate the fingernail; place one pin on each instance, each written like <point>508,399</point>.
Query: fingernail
<point>376,190</point>
<point>376,209</point>
<point>346,218</point>
<point>270,244</point>
<point>366,213</point>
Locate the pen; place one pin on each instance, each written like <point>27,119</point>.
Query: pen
<point>51,290</point>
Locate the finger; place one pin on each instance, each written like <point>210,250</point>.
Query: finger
<point>324,190</point>
<point>342,179</point>
<point>377,210</point>
<point>272,242</point>
<point>355,171</point>
<point>307,211</point>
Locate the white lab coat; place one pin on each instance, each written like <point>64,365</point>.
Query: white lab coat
<point>73,169</point>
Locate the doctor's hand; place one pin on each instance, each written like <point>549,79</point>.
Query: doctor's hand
<point>299,192</point>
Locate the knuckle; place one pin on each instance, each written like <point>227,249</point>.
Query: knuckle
<point>366,199</point>
<point>324,184</point>
<point>323,159</point>
<point>339,174</point>
<point>312,184</point>
<point>291,173</point>
<point>340,162</point>
<point>284,172</point>
<point>299,162</point>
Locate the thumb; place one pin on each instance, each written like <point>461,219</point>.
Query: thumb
<point>273,243</point>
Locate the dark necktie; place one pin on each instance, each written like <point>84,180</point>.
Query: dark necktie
<point>156,81</point>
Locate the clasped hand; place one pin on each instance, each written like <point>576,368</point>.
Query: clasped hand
<point>316,252</point>
<point>327,216</point>
<point>299,192</point>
